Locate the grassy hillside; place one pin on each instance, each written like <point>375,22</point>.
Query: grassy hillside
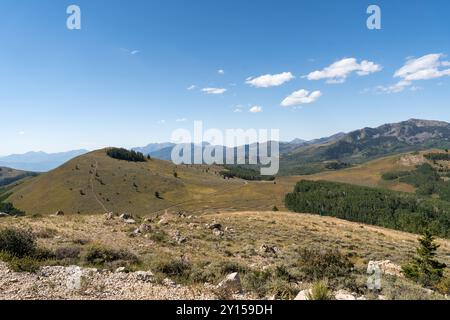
<point>209,258</point>
<point>370,174</point>
<point>8,175</point>
<point>96,183</point>
<point>122,186</point>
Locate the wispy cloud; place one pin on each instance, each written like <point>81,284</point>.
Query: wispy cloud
<point>191,87</point>
<point>161,121</point>
<point>339,71</point>
<point>21,133</point>
<point>214,90</point>
<point>256,109</point>
<point>427,67</point>
<point>181,120</point>
<point>132,52</point>
<point>270,80</point>
<point>221,71</point>
<point>301,97</point>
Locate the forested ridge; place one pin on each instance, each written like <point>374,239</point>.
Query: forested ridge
<point>390,209</point>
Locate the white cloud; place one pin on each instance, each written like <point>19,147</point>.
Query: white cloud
<point>181,120</point>
<point>446,63</point>
<point>221,71</point>
<point>340,70</point>
<point>270,80</point>
<point>21,133</point>
<point>301,97</point>
<point>214,90</point>
<point>424,68</point>
<point>237,110</point>
<point>132,52</point>
<point>192,87</point>
<point>256,109</point>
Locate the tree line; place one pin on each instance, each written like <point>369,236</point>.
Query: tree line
<point>385,208</point>
<point>126,155</point>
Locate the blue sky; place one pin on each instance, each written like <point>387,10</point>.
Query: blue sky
<point>123,78</point>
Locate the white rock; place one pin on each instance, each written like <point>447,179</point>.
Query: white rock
<point>145,276</point>
<point>109,216</point>
<point>386,267</point>
<point>121,270</point>
<point>303,295</point>
<point>232,283</point>
<point>73,281</point>
<point>344,295</point>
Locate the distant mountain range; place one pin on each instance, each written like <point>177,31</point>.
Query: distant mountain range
<point>366,144</point>
<point>297,156</point>
<point>39,161</point>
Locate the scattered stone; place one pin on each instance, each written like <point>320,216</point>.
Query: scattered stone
<point>232,283</point>
<point>163,222</point>
<point>109,216</point>
<point>144,228</point>
<point>135,233</point>
<point>270,250</point>
<point>344,295</point>
<point>303,295</point>
<point>59,213</point>
<point>130,221</point>
<point>179,238</point>
<point>381,297</point>
<point>215,226</point>
<point>218,232</point>
<point>193,226</point>
<point>126,216</point>
<point>386,267</point>
<point>169,283</point>
<point>145,276</point>
<point>121,270</point>
<point>3,215</point>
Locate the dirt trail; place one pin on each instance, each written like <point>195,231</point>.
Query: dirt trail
<point>91,181</point>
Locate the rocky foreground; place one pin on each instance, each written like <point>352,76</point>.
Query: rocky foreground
<point>75,283</point>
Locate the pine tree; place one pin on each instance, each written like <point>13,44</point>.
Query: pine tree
<point>424,268</point>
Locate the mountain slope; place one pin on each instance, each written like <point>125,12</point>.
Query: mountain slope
<point>8,175</point>
<point>369,143</point>
<point>39,161</point>
<point>96,183</point>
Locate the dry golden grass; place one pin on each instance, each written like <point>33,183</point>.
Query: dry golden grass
<point>246,233</point>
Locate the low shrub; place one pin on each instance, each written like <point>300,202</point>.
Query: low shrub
<point>23,264</point>
<point>319,264</point>
<point>177,268</point>
<point>18,243</point>
<point>319,291</point>
<point>64,253</point>
<point>100,256</point>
